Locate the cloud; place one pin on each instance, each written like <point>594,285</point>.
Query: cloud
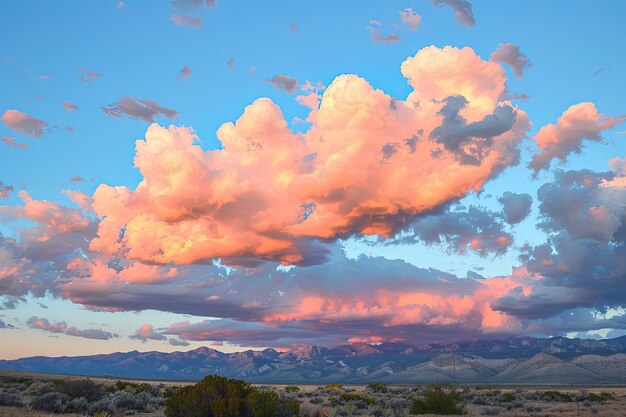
<point>77,178</point>
<point>578,123</point>
<point>293,28</point>
<point>4,325</point>
<point>24,124</point>
<point>192,5</point>
<point>137,108</point>
<point>284,82</point>
<point>410,18</point>
<point>69,106</point>
<point>231,63</point>
<point>177,342</point>
<point>88,75</point>
<point>61,327</point>
<point>185,72</point>
<point>470,141</point>
<point>377,36</point>
<point>462,10</point>
<point>516,206</point>
<point>510,54</point>
<point>146,332</point>
<point>11,142</point>
<point>188,21</point>
<point>475,229</point>
<point>5,190</point>
<point>272,194</point>
<point>582,265</point>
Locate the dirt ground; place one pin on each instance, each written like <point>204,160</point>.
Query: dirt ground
<point>317,401</point>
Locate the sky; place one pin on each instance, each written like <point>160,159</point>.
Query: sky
<point>244,174</point>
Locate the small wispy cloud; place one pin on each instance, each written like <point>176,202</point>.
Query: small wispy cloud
<point>377,37</point>
<point>137,108</point>
<point>88,75</point>
<point>185,72</point>
<point>69,106</point>
<point>188,21</point>
<point>11,142</point>
<point>284,82</point>
<point>462,10</point>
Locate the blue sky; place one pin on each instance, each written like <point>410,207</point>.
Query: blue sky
<point>575,51</point>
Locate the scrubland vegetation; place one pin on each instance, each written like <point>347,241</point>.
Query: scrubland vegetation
<point>215,396</point>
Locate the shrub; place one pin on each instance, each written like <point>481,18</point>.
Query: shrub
<point>557,396</point>
<point>52,401</point>
<point>214,396</point>
<point>376,387</point>
<point>357,397</point>
<point>332,387</point>
<point>84,388</point>
<point>292,388</point>
<point>10,399</point>
<point>508,397</point>
<point>600,398</point>
<point>269,404</point>
<point>439,400</point>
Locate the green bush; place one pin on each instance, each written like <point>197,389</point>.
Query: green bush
<point>216,396</point>
<point>438,400</point>
<point>292,388</point>
<point>600,398</point>
<point>269,404</point>
<point>357,397</point>
<point>376,387</point>
<point>508,397</point>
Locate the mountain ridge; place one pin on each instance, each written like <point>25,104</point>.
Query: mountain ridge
<point>509,360</point>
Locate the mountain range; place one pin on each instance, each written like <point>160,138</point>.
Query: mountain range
<point>525,360</point>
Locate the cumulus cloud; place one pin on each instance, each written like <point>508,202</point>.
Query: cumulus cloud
<point>185,72</point>
<point>582,265</point>
<point>378,37</point>
<point>11,142</point>
<point>272,194</point>
<point>511,55</point>
<point>284,82</point>
<point>578,123</point>
<point>462,10</point>
<point>69,106</point>
<point>410,18</point>
<point>62,327</point>
<point>146,332</point>
<point>24,124</point>
<point>137,108</point>
<point>188,21</point>
<point>5,190</point>
<point>516,206</point>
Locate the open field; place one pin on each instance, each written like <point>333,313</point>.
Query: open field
<point>32,394</point>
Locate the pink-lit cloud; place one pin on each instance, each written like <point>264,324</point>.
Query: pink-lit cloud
<point>270,191</point>
<point>24,123</point>
<point>12,143</point>
<point>69,106</point>
<point>410,18</point>
<point>62,327</point>
<point>511,55</point>
<point>5,190</point>
<point>146,332</point>
<point>578,123</point>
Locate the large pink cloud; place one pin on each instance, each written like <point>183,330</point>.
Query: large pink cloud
<point>366,166</point>
<point>24,123</point>
<point>578,123</point>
